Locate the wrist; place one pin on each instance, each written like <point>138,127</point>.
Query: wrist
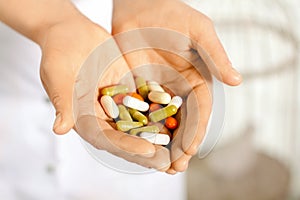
<point>62,13</point>
<point>33,18</point>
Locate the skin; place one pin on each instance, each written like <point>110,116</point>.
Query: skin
<point>66,38</point>
<point>208,53</point>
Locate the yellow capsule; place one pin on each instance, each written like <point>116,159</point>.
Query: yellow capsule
<point>113,90</point>
<point>127,125</point>
<point>163,113</point>
<point>151,129</point>
<point>124,114</point>
<point>138,116</point>
<point>142,87</point>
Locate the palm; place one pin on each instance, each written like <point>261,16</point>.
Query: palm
<point>160,38</point>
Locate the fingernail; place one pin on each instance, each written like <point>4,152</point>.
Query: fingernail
<point>57,121</point>
<point>237,77</point>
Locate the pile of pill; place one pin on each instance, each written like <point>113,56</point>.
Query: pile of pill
<point>148,112</point>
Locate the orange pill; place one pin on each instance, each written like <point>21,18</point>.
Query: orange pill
<point>154,107</point>
<point>171,123</point>
<point>137,96</point>
<point>118,99</point>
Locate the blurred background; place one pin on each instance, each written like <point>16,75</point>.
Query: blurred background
<point>258,155</point>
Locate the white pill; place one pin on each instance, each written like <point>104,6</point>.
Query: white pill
<point>159,97</point>
<point>135,103</point>
<point>156,138</point>
<point>176,101</point>
<point>109,106</point>
<point>154,86</point>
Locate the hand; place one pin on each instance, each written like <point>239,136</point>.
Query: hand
<point>64,49</point>
<point>66,38</point>
<point>202,47</point>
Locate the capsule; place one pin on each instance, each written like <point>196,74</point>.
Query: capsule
<point>109,106</point>
<point>134,103</point>
<point>159,97</point>
<point>127,125</point>
<point>151,129</point>
<point>154,106</point>
<point>113,90</point>
<point>137,96</point>
<point>156,138</point>
<point>176,101</point>
<point>142,87</point>
<point>163,113</point>
<point>165,130</point>
<point>154,86</point>
<point>138,116</point>
<point>118,99</point>
<point>124,114</point>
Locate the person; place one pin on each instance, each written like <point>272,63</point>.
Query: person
<point>66,37</point>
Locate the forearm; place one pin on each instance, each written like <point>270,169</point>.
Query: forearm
<point>32,18</point>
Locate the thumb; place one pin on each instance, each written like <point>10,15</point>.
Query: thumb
<point>211,50</point>
<point>58,82</point>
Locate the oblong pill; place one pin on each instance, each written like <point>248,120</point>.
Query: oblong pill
<point>124,114</point>
<point>142,87</point>
<point>154,106</point>
<point>151,129</point>
<point>118,99</point>
<point>137,96</point>
<point>176,101</point>
<point>109,106</point>
<point>138,116</point>
<point>163,113</point>
<point>127,125</point>
<point>165,130</point>
<point>154,86</point>
<point>156,138</point>
<point>113,90</point>
<point>159,97</point>
<point>134,103</point>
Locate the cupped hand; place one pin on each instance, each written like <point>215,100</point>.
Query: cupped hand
<point>185,40</point>
<point>65,47</point>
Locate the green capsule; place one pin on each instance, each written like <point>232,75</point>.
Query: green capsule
<point>138,116</point>
<point>113,90</point>
<point>163,113</point>
<point>151,129</point>
<point>124,114</point>
<point>142,87</point>
<point>126,125</point>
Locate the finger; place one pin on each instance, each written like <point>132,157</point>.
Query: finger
<point>58,83</point>
<point>131,148</point>
<point>102,136</point>
<point>211,50</point>
<point>159,161</point>
<point>179,158</point>
<point>182,163</point>
<point>198,109</point>
<point>171,171</point>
